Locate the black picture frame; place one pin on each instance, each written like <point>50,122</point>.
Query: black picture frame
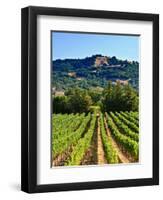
<point>29,99</point>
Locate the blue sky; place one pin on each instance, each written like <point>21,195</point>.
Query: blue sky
<point>79,45</point>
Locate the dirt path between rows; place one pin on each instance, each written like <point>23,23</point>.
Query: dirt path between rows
<point>100,151</point>
<point>60,159</point>
<point>121,156</point>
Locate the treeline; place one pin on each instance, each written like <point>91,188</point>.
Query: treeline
<point>113,98</point>
<point>90,75</point>
<point>72,64</point>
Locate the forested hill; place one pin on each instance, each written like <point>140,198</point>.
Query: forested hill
<point>94,71</point>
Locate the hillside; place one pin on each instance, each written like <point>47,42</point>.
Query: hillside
<point>94,71</point>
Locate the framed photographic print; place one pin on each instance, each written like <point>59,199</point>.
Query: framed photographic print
<point>90,99</point>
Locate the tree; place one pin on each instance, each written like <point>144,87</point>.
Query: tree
<point>113,61</point>
<point>120,98</point>
<point>131,98</point>
<point>79,101</point>
<point>60,104</point>
<point>95,95</point>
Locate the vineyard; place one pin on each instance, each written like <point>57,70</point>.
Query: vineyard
<point>95,138</point>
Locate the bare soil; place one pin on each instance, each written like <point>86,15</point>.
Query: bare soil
<point>100,150</point>
<point>61,159</point>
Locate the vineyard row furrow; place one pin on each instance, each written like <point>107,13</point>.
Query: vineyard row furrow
<point>95,138</point>
<point>60,145</point>
<point>82,145</point>
<point>130,145</point>
<point>130,118</point>
<point>100,145</point>
<point>121,157</point>
<point>130,124</point>
<point>124,128</point>
<point>110,152</point>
